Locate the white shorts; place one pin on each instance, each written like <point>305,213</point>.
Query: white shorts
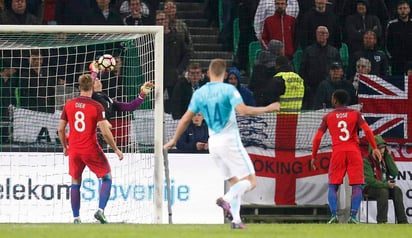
<point>230,156</point>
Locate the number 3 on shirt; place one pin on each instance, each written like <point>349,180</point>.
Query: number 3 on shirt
<point>79,124</point>
<point>344,130</point>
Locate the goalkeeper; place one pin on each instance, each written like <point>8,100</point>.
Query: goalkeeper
<point>110,105</point>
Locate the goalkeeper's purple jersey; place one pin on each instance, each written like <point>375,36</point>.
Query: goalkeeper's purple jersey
<point>217,102</point>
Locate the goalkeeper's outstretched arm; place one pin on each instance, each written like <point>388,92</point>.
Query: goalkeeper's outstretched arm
<point>145,89</point>
<point>133,105</point>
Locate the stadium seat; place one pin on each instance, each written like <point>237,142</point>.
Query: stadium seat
<point>344,55</point>
<point>220,14</point>
<point>254,48</point>
<point>296,58</point>
<point>236,35</point>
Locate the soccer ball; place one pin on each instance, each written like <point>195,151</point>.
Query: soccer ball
<point>106,62</point>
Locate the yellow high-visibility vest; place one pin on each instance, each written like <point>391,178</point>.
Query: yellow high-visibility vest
<point>291,100</point>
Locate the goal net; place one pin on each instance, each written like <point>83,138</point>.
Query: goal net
<point>41,65</point>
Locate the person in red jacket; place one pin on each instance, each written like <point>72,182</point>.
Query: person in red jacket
<point>281,27</point>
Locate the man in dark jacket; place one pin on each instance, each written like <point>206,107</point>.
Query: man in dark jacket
<point>195,138</point>
<point>331,84</point>
<point>379,183</point>
<point>184,89</point>
<point>17,14</point>
<point>315,17</point>
<point>399,38</point>
<point>136,18</point>
<point>358,23</point>
<point>315,63</point>
<point>176,58</point>
<point>103,14</point>
<point>378,59</point>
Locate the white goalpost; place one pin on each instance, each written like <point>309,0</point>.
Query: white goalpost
<point>45,62</point>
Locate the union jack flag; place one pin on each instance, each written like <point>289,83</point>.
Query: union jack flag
<point>387,106</point>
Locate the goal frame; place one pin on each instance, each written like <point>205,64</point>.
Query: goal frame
<point>158,90</point>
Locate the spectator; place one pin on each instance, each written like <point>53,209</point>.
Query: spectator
<point>184,89</point>
<point>316,17</point>
<point>399,38</point>
<point>408,69</point>
<point>327,87</point>
<point>265,9</point>
<point>72,12</point>
<point>18,15</point>
<point>37,85</point>
<point>35,7</point>
<point>124,8</point>
<point>280,26</point>
<point>135,17</point>
<point>233,77</point>
<point>315,64</point>
<point>291,99</point>
<point>226,29</point>
<point>103,14</point>
<point>392,8</point>
<point>380,183</point>
<point>2,6</point>
<point>378,59</point>
<point>195,138</point>
<point>246,12</point>
<point>176,58</point>
<point>178,25</point>
<point>267,89</point>
<point>152,6</point>
<point>211,12</point>
<point>7,97</point>
<point>268,56</point>
<point>376,8</point>
<point>48,12</point>
<point>363,66</point>
<point>357,24</point>
<point>334,6</point>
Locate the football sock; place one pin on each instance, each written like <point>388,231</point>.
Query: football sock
<point>333,198</point>
<point>105,191</point>
<point>356,199</point>
<point>75,199</point>
<point>235,209</point>
<point>238,189</point>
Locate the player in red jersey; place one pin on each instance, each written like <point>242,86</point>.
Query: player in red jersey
<point>83,114</point>
<point>343,124</point>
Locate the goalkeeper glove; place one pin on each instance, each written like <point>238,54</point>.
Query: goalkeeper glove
<point>94,69</point>
<point>146,87</point>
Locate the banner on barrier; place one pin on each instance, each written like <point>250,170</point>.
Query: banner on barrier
<point>35,188</point>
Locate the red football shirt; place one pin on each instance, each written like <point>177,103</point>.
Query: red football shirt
<point>343,124</point>
<point>82,114</point>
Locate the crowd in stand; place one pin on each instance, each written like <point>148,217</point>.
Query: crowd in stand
<point>317,33</point>
<point>377,34</point>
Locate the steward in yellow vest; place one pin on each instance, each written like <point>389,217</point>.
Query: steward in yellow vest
<point>291,100</point>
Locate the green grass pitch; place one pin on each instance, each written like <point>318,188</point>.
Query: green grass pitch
<point>203,231</point>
